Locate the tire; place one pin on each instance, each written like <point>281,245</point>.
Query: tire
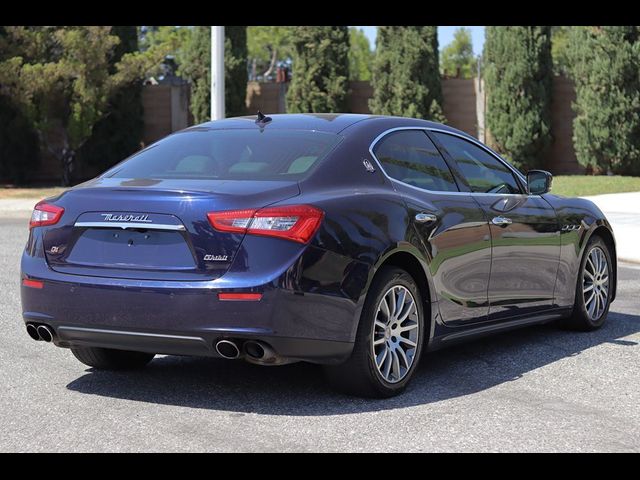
<point>585,316</point>
<point>108,359</point>
<point>360,375</point>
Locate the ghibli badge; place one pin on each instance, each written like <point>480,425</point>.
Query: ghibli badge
<point>215,258</point>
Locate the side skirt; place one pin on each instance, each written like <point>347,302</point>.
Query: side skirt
<point>446,336</point>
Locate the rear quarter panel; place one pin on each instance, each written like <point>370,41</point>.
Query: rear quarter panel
<point>365,222</point>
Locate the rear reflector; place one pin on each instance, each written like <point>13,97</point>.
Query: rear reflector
<point>251,297</point>
<point>45,214</point>
<point>32,283</point>
<point>297,223</point>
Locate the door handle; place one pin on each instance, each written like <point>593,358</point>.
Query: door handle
<point>501,221</point>
<point>425,217</point>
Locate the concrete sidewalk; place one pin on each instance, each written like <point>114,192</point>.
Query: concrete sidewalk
<point>622,210</point>
<point>17,207</point>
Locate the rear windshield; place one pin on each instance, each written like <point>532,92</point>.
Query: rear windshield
<point>251,154</point>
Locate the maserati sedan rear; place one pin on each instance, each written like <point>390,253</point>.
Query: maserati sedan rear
<point>353,241</point>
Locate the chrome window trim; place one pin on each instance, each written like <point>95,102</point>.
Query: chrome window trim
<point>125,225</point>
<point>455,134</point>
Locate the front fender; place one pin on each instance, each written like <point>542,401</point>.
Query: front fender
<point>579,219</point>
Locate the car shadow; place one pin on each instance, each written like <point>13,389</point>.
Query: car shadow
<point>301,390</point>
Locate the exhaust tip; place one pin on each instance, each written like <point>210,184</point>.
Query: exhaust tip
<point>227,349</point>
<point>33,331</point>
<point>254,350</point>
<point>45,333</point>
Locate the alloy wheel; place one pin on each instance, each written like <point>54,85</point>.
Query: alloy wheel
<point>395,334</point>
<point>595,283</point>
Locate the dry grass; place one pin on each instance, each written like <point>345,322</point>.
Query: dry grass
<point>30,193</point>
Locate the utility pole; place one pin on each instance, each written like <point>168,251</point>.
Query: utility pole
<point>217,73</point>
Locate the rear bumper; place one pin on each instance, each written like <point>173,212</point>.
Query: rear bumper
<point>310,350</point>
<point>187,318</point>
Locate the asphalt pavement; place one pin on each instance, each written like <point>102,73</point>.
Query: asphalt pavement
<point>535,389</point>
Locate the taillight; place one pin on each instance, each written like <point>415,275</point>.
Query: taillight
<point>298,223</point>
<point>45,214</point>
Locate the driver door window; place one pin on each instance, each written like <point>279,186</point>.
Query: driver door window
<point>483,172</point>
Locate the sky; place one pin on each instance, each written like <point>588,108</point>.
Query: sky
<point>445,35</point>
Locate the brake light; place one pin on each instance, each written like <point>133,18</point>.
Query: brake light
<point>45,214</point>
<point>298,223</point>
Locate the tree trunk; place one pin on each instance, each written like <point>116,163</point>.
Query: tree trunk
<point>274,58</point>
<point>253,69</point>
<point>68,163</point>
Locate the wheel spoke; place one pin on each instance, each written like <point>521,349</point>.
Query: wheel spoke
<point>593,268</point>
<point>380,324</point>
<point>396,364</point>
<point>401,354</point>
<point>588,288</point>
<point>379,341</point>
<point>591,305</point>
<point>381,357</point>
<point>392,303</point>
<point>409,308</point>
<point>588,301</point>
<point>384,308</point>
<point>387,363</point>
<point>602,301</point>
<point>603,263</point>
<point>406,341</point>
<point>400,302</point>
<point>406,328</point>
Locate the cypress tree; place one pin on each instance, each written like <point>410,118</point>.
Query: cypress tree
<point>518,74</point>
<point>320,70</point>
<point>196,67</point>
<point>235,70</point>
<point>119,133</point>
<point>605,67</point>
<point>406,73</point>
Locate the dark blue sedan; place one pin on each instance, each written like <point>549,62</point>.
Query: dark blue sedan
<point>353,241</point>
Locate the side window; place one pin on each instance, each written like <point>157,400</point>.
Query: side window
<point>484,172</point>
<point>411,157</point>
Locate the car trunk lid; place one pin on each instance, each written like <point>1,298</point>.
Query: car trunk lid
<point>153,229</point>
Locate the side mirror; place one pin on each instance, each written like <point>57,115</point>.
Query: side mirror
<point>538,182</point>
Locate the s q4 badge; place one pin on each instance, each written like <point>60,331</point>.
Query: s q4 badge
<point>215,258</point>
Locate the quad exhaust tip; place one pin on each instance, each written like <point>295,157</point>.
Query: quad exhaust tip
<point>40,332</point>
<point>260,351</point>
<point>227,349</point>
<point>45,333</point>
<point>33,331</point>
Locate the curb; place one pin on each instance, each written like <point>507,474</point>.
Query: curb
<point>634,261</point>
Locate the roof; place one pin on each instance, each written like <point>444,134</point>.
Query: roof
<point>324,122</point>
